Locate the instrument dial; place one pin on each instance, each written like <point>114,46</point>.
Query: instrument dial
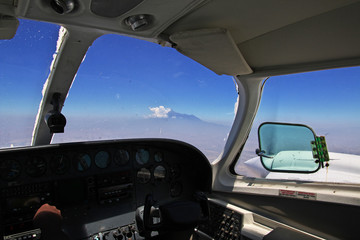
<point>83,162</point>
<point>159,173</point>
<point>142,156</point>
<point>35,167</point>
<point>60,164</point>
<point>158,157</point>
<point>9,170</point>
<point>121,157</point>
<point>143,175</point>
<point>102,159</point>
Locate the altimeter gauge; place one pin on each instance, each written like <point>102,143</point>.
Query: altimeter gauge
<point>9,169</point>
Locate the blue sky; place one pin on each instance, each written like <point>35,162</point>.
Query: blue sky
<point>314,97</point>
<point>133,75</point>
<point>24,66</point>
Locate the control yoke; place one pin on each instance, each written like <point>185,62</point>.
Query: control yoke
<point>178,215</point>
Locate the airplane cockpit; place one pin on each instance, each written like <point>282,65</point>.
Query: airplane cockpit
<point>159,119</point>
<point>106,190</point>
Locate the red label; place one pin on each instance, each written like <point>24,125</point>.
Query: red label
<point>295,194</point>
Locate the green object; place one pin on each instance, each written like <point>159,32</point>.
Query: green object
<point>320,151</point>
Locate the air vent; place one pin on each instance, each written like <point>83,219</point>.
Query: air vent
<point>63,6</point>
<point>138,22</point>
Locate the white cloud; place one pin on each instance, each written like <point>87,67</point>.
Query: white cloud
<point>159,112</point>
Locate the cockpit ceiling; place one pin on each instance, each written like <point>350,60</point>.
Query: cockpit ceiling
<point>266,34</point>
<point>271,34</point>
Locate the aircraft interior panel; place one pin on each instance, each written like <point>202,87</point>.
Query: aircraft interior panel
<point>101,186</point>
<point>97,186</point>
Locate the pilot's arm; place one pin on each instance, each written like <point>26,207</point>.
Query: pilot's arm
<point>48,218</point>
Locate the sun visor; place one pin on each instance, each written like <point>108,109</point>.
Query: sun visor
<point>8,27</point>
<point>213,48</point>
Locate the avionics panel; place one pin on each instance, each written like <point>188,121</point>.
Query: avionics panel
<point>96,185</point>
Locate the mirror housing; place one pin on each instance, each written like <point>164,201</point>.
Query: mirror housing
<point>287,148</point>
<point>54,119</point>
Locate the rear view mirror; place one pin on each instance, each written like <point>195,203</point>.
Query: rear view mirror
<point>289,148</point>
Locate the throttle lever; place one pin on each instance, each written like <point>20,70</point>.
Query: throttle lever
<point>148,214</point>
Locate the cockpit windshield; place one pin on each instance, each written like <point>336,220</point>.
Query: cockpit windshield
<point>125,88</point>
<point>24,66</point>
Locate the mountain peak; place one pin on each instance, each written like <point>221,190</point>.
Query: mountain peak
<point>175,115</point>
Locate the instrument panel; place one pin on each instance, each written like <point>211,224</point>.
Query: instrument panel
<point>93,182</point>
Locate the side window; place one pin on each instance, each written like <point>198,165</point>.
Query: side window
<point>327,101</point>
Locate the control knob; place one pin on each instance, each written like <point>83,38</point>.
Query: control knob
<point>117,235</point>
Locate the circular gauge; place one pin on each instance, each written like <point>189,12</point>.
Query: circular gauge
<point>102,159</point>
<point>83,162</point>
<point>143,175</point>
<point>121,157</point>
<point>9,169</point>
<point>60,164</point>
<point>158,157</point>
<point>175,171</point>
<point>159,173</point>
<point>35,167</point>
<point>176,189</point>
<point>142,156</point>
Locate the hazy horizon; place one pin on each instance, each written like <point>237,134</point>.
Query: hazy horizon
<point>208,137</point>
